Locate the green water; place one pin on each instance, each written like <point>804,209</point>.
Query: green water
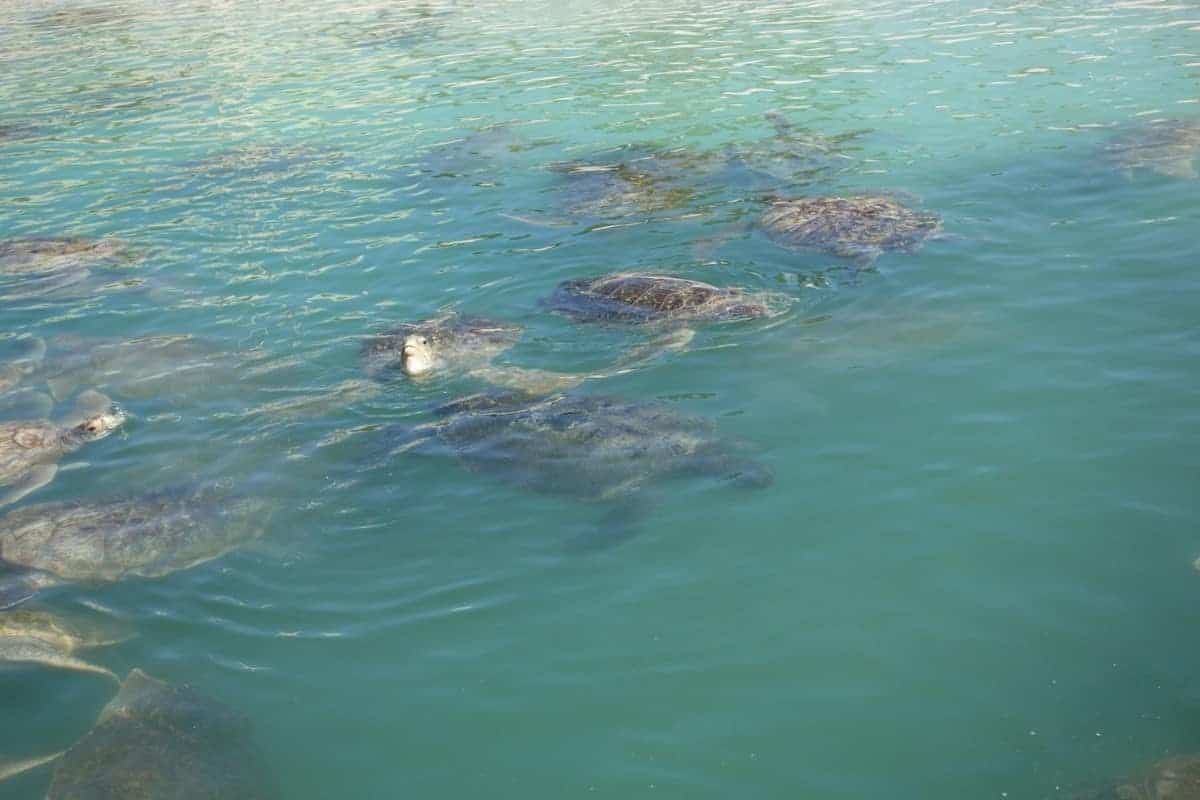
<point>973,574</point>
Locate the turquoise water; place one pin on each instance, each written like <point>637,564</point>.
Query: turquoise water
<point>973,574</point>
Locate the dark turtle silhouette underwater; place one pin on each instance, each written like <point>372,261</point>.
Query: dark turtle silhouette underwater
<point>590,448</point>
<point>155,741</point>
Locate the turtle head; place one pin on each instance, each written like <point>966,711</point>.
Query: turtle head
<point>98,425</point>
<point>416,355</point>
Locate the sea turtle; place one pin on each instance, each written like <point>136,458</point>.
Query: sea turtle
<point>99,541</point>
<point>666,302</point>
<point>83,17</point>
<point>859,227</point>
<point>792,156</point>
<point>30,449</point>
<point>1169,147</point>
<point>620,188</point>
<point>1175,778</point>
<point>15,372</point>
<point>33,267</point>
<point>644,297</point>
<point>41,637</point>
<point>145,367</point>
<point>12,133</point>
<point>260,160</point>
<point>34,256</point>
<point>627,183</point>
<point>400,28</point>
<point>459,345</point>
<point>155,741</point>
<point>599,449</point>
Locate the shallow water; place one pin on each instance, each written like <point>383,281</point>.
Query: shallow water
<point>973,574</point>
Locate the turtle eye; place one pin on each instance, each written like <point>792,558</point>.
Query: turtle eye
<point>423,340</point>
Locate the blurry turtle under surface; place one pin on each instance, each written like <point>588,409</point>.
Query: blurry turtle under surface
<point>155,741</point>
<point>101,541</point>
<point>792,156</point>
<point>594,449</point>
<point>146,367</point>
<point>32,267</point>
<point>30,449</point>
<point>1168,147</point>
<point>857,227</point>
<point>37,636</point>
<point>17,369</point>
<point>626,184</point>
<point>453,344</point>
<point>1176,778</point>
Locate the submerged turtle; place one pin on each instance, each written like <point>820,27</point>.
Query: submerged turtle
<point>599,449</point>
<point>1169,147</point>
<point>152,366</point>
<point>98,541</point>
<point>792,156</point>
<point>459,345</point>
<point>12,133</point>
<point>1176,778</point>
<point>80,17</point>
<point>857,227</point>
<point>154,741</point>
<point>46,256</point>
<point>626,183</point>
<point>30,449</point>
<point>258,160</point>
<point>400,28</point>
<point>35,267</point>
<point>40,637</point>
<point>15,372</point>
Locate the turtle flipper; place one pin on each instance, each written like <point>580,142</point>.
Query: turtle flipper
<point>673,341</point>
<point>35,479</point>
<point>622,522</point>
<point>28,650</point>
<point>18,587</point>
<point>15,768</point>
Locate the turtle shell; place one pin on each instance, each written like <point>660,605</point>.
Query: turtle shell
<point>634,297</point>
<point>24,444</point>
<point>590,448</point>
<point>147,535</point>
<point>847,226</point>
<point>155,741</point>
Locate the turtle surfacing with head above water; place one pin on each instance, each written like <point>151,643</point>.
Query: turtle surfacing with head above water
<point>156,741</point>
<point>458,345</point>
<point>30,449</point>
<point>859,228</point>
<point>102,541</point>
<point>597,449</point>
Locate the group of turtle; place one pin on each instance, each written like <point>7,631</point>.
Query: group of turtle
<point>529,427</point>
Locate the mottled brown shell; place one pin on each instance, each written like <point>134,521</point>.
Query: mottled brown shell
<point>847,226</point>
<point>641,297</point>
